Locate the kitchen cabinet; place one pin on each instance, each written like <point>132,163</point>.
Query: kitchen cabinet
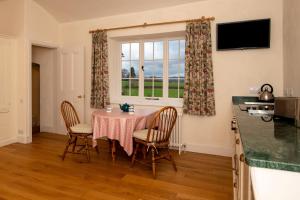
<point>270,150</point>
<point>241,171</point>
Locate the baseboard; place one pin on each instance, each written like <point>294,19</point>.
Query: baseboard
<point>59,133</point>
<point>47,129</point>
<point>8,141</point>
<point>207,149</point>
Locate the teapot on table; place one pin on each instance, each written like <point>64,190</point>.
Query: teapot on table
<point>124,107</point>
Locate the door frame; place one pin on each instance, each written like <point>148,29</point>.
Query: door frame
<point>28,136</point>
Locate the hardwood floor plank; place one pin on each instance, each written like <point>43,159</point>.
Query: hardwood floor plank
<point>36,171</point>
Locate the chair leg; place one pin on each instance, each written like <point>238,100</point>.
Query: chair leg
<point>172,160</point>
<point>75,143</point>
<point>97,149</point>
<point>110,145</point>
<point>87,149</point>
<point>153,163</point>
<point>113,150</point>
<point>144,152</point>
<point>67,148</point>
<point>134,154</point>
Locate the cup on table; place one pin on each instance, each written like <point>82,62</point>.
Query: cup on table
<point>108,109</point>
<point>131,109</point>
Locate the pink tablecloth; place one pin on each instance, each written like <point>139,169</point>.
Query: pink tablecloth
<point>120,126</point>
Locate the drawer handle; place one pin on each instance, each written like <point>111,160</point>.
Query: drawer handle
<point>235,168</point>
<point>233,125</point>
<point>237,141</point>
<point>235,185</point>
<point>242,157</point>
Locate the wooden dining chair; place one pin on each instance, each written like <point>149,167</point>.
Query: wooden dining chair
<point>76,131</point>
<point>156,137</point>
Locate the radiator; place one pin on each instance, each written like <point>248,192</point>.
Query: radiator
<point>176,136</point>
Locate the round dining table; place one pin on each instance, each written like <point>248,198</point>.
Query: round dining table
<point>119,126</point>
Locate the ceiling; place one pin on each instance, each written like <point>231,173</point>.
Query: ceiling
<point>74,10</point>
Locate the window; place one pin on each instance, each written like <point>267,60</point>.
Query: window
<point>176,68</point>
<point>130,69</point>
<point>153,69</point>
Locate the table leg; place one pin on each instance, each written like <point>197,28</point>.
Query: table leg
<point>113,150</point>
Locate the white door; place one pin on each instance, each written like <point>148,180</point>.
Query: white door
<point>71,80</point>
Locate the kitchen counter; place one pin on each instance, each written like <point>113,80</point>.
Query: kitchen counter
<point>273,145</point>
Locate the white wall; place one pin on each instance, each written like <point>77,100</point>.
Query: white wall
<point>40,28</point>
<point>234,71</point>
<point>47,58</point>
<point>11,15</point>
<point>12,33</point>
<point>8,103</point>
<point>291,47</point>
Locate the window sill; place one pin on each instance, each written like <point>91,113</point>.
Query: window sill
<point>142,101</point>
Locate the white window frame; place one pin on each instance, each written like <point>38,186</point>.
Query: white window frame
<point>141,100</point>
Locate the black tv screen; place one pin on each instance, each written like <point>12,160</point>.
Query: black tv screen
<point>244,35</point>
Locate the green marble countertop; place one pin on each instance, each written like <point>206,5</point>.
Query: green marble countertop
<point>273,145</point>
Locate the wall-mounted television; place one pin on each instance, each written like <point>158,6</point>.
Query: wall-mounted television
<point>244,35</point>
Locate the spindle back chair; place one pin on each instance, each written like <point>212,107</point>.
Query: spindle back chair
<point>82,131</point>
<point>157,137</point>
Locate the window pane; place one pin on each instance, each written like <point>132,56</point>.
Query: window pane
<point>148,51</point>
<point>181,87</point>
<point>135,51</point>
<point>173,88</point>
<point>181,69</point>
<point>134,69</point>
<point>158,87</point>
<point>173,68</point>
<point>125,87</point>
<point>153,68</point>
<point>125,51</point>
<point>158,66</point>
<point>134,83</point>
<point>125,69</point>
<point>148,87</point>
<point>149,69</point>
<point>158,50</point>
<point>182,49</point>
<point>174,49</point>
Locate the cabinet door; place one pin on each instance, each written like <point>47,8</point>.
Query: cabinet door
<point>245,189</point>
<point>239,152</point>
<point>235,161</point>
<point>236,180</point>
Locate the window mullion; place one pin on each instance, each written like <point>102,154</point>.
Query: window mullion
<point>178,68</point>
<point>153,69</point>
<point>165,69</point>
<point>129,79</point>
<point>141,72</point>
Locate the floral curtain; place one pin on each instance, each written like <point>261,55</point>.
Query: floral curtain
<point>199,83</point>
<point>99,87</point>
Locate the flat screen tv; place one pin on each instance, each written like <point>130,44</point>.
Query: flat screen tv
<point>244,35</point>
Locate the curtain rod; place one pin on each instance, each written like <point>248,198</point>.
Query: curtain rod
<point>154,24</point>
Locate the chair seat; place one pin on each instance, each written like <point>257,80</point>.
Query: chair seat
<point>142,134</point>
<point>82,128</point>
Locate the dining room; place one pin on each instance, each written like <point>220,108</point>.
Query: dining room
<point>137,102</point>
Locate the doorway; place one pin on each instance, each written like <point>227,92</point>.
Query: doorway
<point>35,74</point>
<point>43,89</point>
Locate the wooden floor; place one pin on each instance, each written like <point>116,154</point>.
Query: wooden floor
<point>36,171</point>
